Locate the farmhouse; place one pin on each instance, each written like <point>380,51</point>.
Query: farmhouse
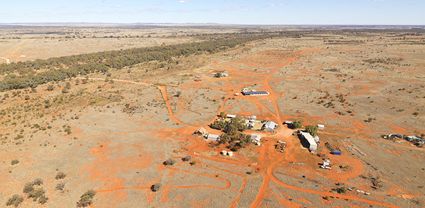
<point>308,141</point>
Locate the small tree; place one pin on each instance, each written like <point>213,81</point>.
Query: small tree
<point>296,125</point>
<point>86,199</point>
<point>60,175</point>
<point>312,130</point>
<point>235,125</point>
<point>218,124</point>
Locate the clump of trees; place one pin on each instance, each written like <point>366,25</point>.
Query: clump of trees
<point>28,74</point>
<point>312,130</point>
<point>296,125</point>
<point>35,192</point>
<point>233,135</point>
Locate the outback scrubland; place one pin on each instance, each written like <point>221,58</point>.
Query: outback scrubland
<point>112,125</point>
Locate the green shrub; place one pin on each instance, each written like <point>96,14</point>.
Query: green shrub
<point>15,200</point>
<point>36,194</point>
<point>296,125</point>
<point>312,130</point>
<point>60,186</point>
<point>60,175</point>
<point>29,187</point>
<point>86,199</point>
<point>218,124</point>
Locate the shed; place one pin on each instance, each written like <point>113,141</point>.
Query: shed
<point>336,152</point>
<point>269,126</point>
<point>201,132</point>
<point>231,116</point>
<point>308,141</point>
<point>255,93</point>
<point>256,139</point>
<point>252,118</point>
<point>213,137</point>
<point>221,74</point>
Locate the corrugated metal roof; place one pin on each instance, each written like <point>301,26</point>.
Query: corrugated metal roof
<point>256,93</point>
<point>310,139</point>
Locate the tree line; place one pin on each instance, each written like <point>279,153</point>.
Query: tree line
<point>33,73</point>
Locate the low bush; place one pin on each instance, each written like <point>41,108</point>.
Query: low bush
<point>15,200</point>
<point>60,175</point>
<point>86,199</point>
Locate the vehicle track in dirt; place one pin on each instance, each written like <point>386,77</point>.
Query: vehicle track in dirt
<point>268,158</point>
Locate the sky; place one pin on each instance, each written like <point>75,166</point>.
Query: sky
<point>283,12</point>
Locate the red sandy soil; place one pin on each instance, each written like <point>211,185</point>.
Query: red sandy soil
<point>268,158</point>
<point>105,169</point>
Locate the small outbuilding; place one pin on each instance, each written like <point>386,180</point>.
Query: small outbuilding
<point>201,132</point>
<point>269,126</point>
<point>213,137</point>
<point>256,139</point>
<point>308,141</point>
<point>230,116</point>
<point>221,74</point>
<point>255,93</point>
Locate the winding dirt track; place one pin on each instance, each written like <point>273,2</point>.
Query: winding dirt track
<point>268,158</point>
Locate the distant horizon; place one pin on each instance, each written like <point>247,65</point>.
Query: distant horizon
<point>193,23</point>
<point>235,12</point>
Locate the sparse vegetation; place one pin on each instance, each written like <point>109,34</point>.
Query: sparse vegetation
<point>156,187</point>
<point>60,186</point>
<point>35,192</point>
<point>86,199</point>
<point>15,200</point>
<point>14,162</point>
<point>376,182</point>
<point>340,190</point>
<point>232,136</point>
<point>60,175</point>
<point>311,130</point>
<point>296,125</point>
<point>169,162</point>
<point>72,66</point>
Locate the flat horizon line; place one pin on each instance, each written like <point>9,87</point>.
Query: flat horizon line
<point>220,24</point>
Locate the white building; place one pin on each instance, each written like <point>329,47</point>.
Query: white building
<point>269,126</point>
<point>230,116</point>
<point>256,139</point>
<point>213,137</point>
<point>320,126</point>
<point>252,118</point>
<point>310,141</point>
